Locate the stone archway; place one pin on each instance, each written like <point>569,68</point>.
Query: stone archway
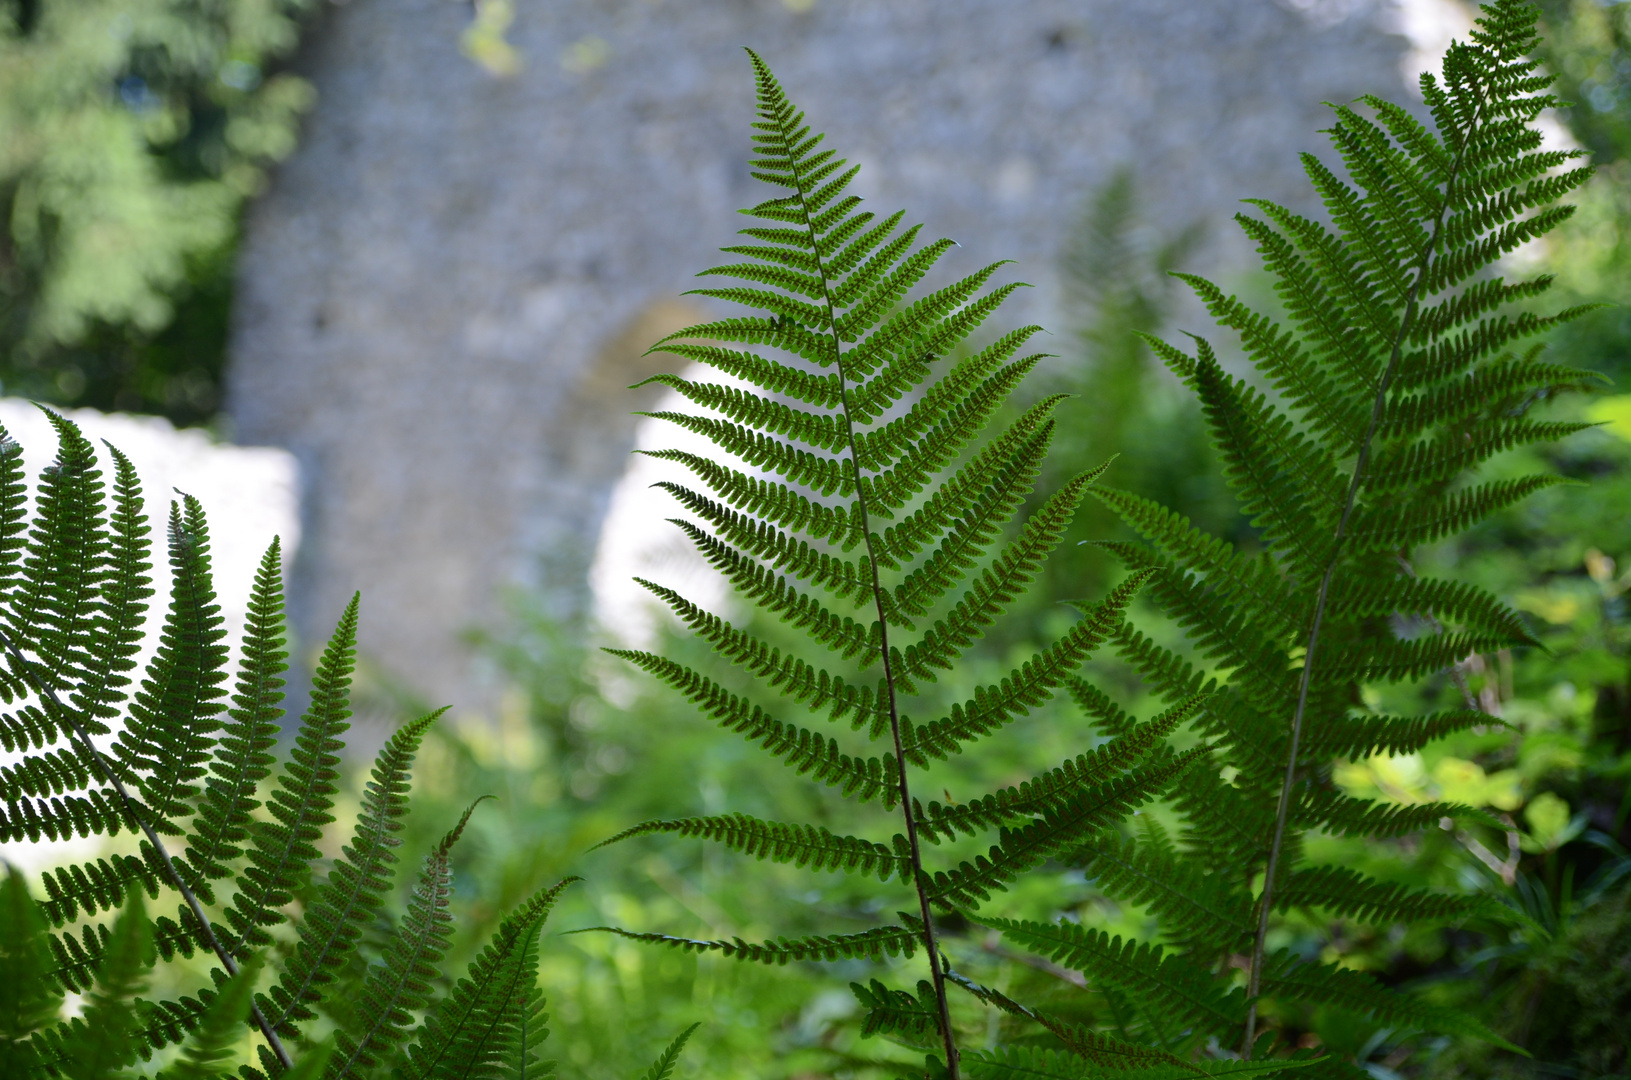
<point>428,288</point>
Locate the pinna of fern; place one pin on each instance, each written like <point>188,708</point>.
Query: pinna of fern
<point>868,506</point>
<point>190,772</point>
<point>1399,367</point>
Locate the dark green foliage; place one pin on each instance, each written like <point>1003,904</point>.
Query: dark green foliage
<point>29,998</point>
<point>184,765</point>
<point>205,1053</point>
<point>1395,373</point>
<point>99,1045</point>
<point>881,492</point>
<point>1398,372</point>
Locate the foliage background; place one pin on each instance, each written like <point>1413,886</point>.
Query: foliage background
<point>125,160</point>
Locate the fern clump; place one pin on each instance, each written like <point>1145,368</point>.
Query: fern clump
<point>190,771</point>
<point>873,512</point>
<point>873,515</point>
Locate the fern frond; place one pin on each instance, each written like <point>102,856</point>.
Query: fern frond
<point>1055,831</point>
<point>478,1029</point>
<point>966,540</point>
<point>1032,1063</point>
<point>801,845</point>
<point>1033,683</point>
<point>401,984</point>
<point>1198,909</point>
<point>804,751</point>
<point>1184,995</point>
<point>53,611</point>
<point>29,997</point>
<point>1011,454</point>
<point>1245,580</point>
<point>823,475</point>
<point>1424,522</point>
<point>1345,894</point>
<point>1111,718</point>
<point>101,1039</point>
<point>125,592</point>
<point>1451,602</point>
<point>13,541</point>
<point>282,849</point>
<point>776,549</point>
<point>663,1067</point>
<point>999,584</point>
<point>1071,780</point>
<point>874,944</point>
<point>1286,975</point>
<point>215,1037</point>
<point>1357,737</point>
<point>776,503</point>
<point>822,391</point>
<point>895,1012</point>
<point>175,714</point>
<point>820,430</point>
<point>970,382</point>
<point>242,758</point>
<point>356,885</point>
<point>1356,817</point>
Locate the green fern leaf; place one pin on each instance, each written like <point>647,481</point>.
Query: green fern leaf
<point>356,886</point>
<point>281,849</point>
<point>801,845</point>
<point>242,758</point>
<point>895,1012</point>
<point>874,944</point>
<point>483,1027</point>
<point>175,714</point>
<point>663,1067</point>
<point>101,1039</point>
<point>1183,995</point>
<point>29,998</point>
<point>1055,831</point>
<point>215,1037</point>
<point>1030,685</point>
<point>1200,910</point>
<point>401,984</point>
<point>1074,779</point>
<point>803,750</point>
<point>1287,976</point>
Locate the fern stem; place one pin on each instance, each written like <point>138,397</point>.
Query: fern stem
<point>94,756</point>
<point>1254,978</point>
<point>930,945</point>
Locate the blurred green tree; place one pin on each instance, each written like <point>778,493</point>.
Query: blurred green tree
<point>131,132</point>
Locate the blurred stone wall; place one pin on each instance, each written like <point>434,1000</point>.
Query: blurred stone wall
<point>446,288</point>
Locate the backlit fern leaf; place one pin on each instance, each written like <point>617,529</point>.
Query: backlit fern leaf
<point>874,944</point>
<point>801,845</point>
<point>401,983</point>
<point>356,885</point>
<point>281,851</point>
<point>73,593</point>
<point>483,1026</point>
<point>869,474</point>
<point>1394,371</point>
